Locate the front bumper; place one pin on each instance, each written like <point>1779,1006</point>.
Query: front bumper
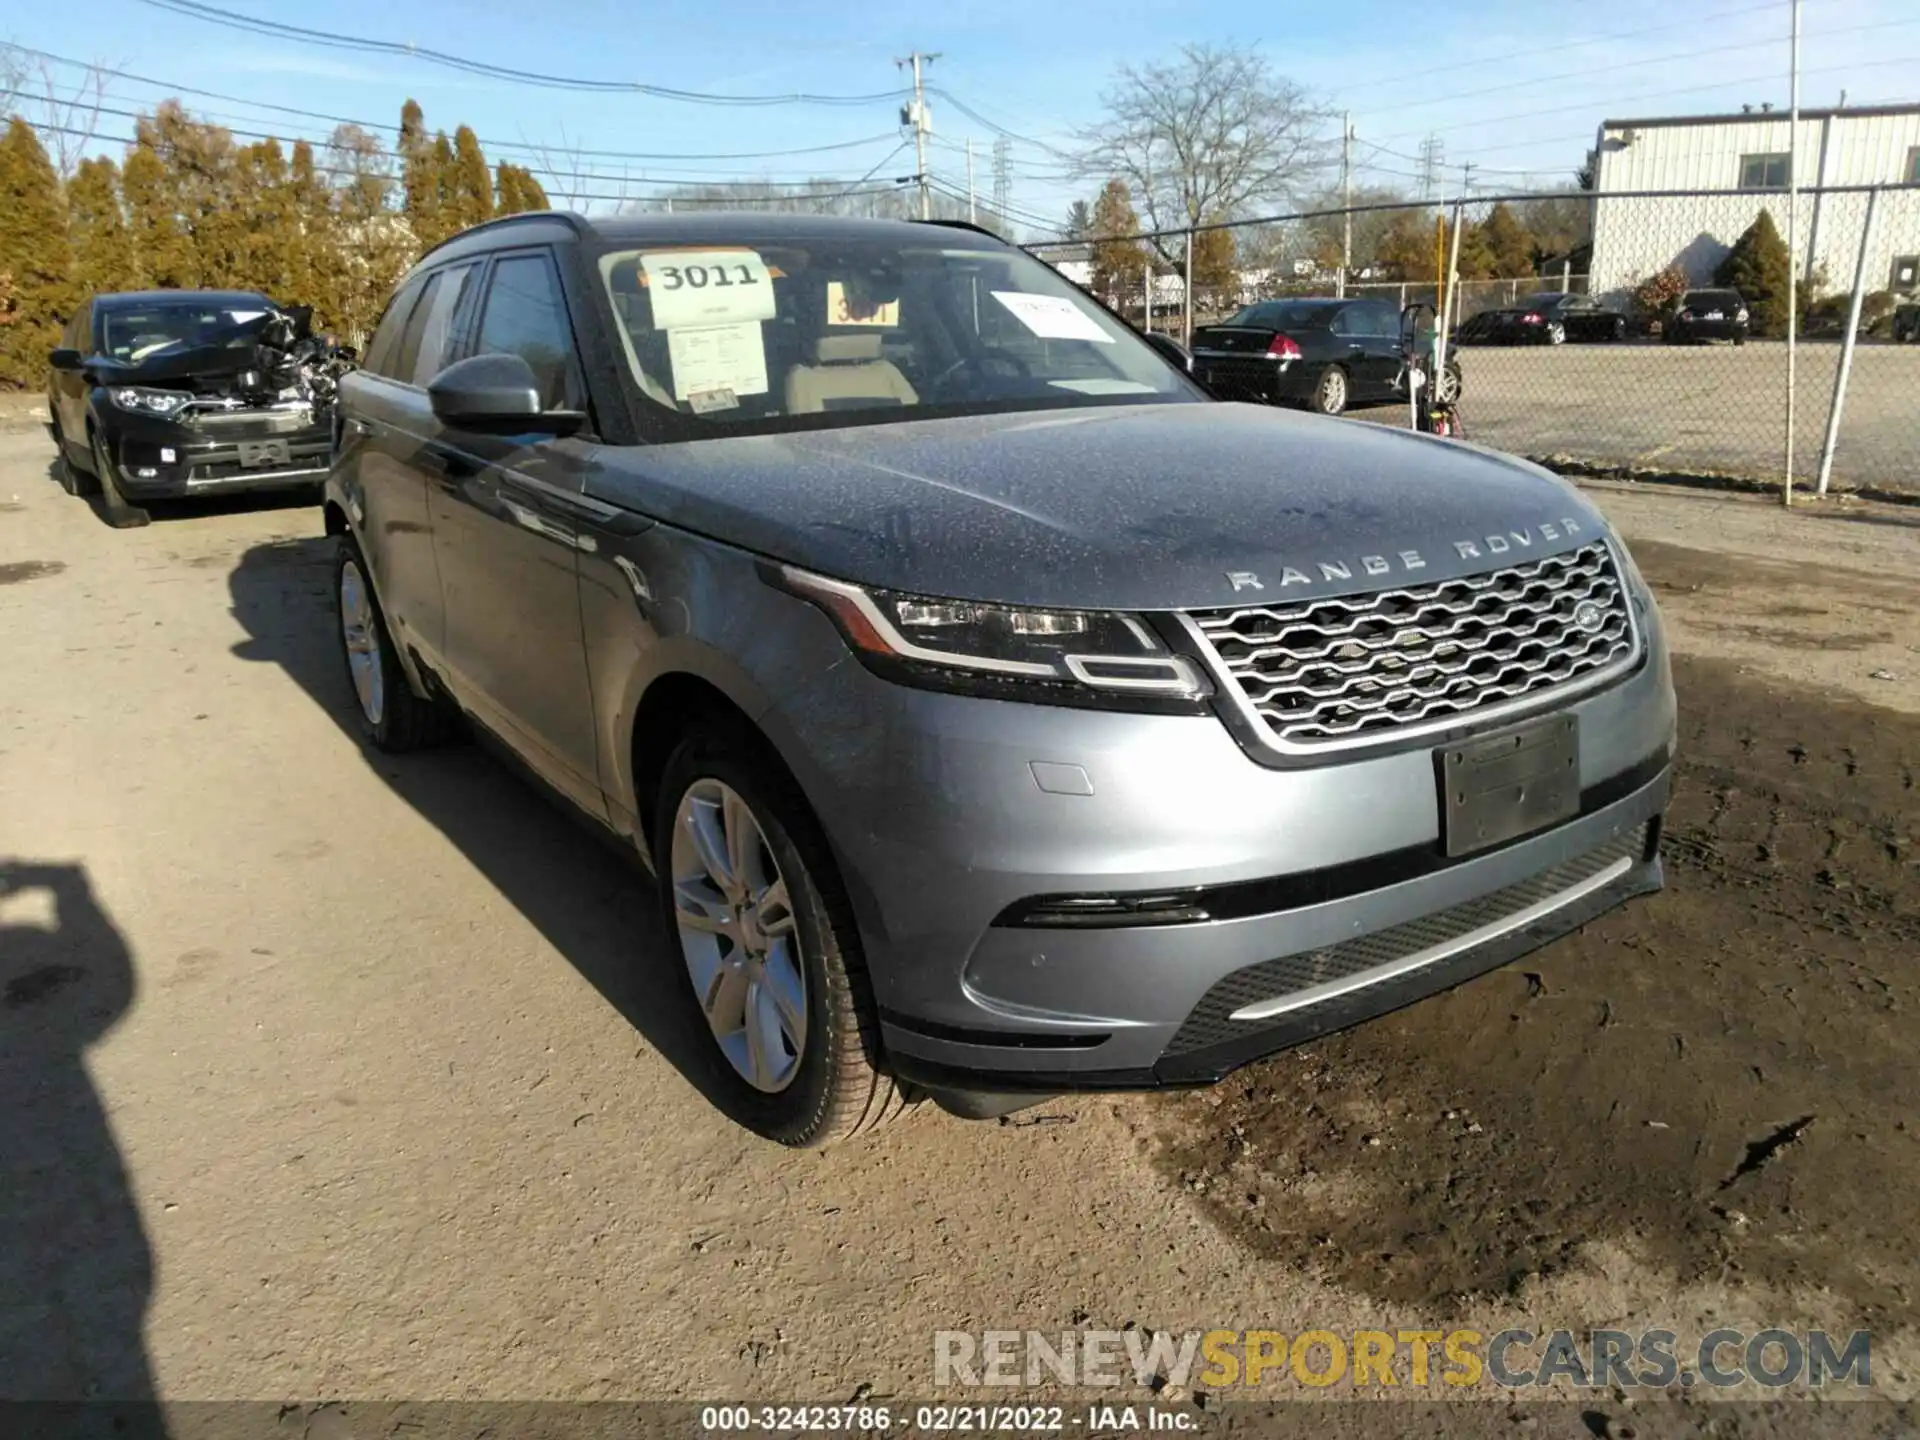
<point>946,811</point>
<point>160,458</point>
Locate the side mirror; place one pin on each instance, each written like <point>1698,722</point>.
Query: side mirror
<point>66,359</point>
<point>496,395</point>
<point>1171,350</point>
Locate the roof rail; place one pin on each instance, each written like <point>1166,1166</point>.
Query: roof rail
<point>575,221</point>
<point>964,225</point>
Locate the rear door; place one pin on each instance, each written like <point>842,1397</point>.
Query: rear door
<point>67,389</point>
<point>1369,333</point>
<point>507,523</point>
<point>385,438</point>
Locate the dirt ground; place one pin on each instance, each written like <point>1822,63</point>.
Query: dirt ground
<point>337,1075</point>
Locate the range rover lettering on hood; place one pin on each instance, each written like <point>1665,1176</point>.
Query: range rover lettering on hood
<point>1481,547</point>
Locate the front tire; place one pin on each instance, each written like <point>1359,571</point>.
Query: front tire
<point>392,717</point>
<point>767,940</point>
<point>1330,391</point>
<point>75,481</point>
<point>121,513</point>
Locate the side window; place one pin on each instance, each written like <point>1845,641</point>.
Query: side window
<point>1351,322</point>
<point>386,335</point>
<point>437,330</point>
<point>525,315</point>
<point>1383,321</point>
<point>406,355</point>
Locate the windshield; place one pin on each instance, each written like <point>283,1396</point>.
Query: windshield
<point>1549,302</point>
<point>1280,315</point>
<point>140,332</point>
<point>867,329</point>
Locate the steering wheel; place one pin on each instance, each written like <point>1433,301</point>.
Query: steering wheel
<point>978,361</point>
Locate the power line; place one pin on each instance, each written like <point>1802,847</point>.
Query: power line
<point>276,29</point>
<point>979,119</point>
<point>548,169</point>
<point>1691,22</point>
<point>717,200</point>
<point>1645,95</point>
<point>1635,64</point>
<point>489,144</point>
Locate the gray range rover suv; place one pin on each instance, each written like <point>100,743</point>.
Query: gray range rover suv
<point>998,714</point>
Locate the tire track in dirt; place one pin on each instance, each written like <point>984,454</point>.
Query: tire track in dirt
<point>1718,1078</point>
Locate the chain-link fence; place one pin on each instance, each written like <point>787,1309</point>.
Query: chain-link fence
<point>1641,333</point>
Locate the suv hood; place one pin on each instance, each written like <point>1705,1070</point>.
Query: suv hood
<point>1146,507</point>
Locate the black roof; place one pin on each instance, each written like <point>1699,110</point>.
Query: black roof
<point>704,226</point>
<point>117,299</point>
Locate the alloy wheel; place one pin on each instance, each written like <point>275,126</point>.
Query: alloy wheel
<point>1333,392</point>
<point>359,628</point>
<point>738,935</point>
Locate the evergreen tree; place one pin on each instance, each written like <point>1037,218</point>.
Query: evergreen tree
<point>1216,284</point>
<point>103,258</point>
<point>472,188</point>
<point>307,280</point>
<point>263,195</point>
<point>1509,246</point>
<point>445,186</point>
<point>160,246</point>
<point>1118,265</point>
<point>34,253</point>
<point>419,176</point>
<point>1759,267</point>
<point>533,195</point>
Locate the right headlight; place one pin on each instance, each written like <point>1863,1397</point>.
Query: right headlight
<point>148,402</point>
<point>1098,658</point>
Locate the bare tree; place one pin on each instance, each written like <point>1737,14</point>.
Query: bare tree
<point>66,115</point>
<point>1206,138</point>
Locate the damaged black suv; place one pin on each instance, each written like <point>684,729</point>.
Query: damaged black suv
<point>162,394</point>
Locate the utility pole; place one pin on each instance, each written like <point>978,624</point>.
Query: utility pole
<point>1793,253</point>
<point>973,214</point>
<point>1346,201</point>
<point>915,114</point>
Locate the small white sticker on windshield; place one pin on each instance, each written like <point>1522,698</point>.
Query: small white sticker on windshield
<point>1052,317</point>
<point>707,287</point>
<point>718,357</point>
<point>705,402</point>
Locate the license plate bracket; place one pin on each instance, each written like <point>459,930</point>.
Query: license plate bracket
<point>256,453</point>
<point>1500,787</point>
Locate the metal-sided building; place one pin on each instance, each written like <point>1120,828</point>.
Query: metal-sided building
<point>1739,166</point>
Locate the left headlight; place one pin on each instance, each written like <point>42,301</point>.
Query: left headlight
<point>1096,658</point>
<point>148,402</point>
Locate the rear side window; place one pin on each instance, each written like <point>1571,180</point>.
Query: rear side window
<point>386,336</point>
<point>406,355</point>
<point>525,315</point>
<point>440,310</point>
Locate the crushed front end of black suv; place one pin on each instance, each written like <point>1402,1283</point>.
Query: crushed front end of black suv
<point>242,403</point>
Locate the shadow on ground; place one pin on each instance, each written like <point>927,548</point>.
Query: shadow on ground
<point>76,1270</point>
<point>592,902</point>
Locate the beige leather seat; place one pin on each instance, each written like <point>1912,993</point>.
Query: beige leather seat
<point>848,374</point>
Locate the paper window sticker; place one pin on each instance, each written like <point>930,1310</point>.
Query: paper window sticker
<point>1052,317</point>
<point>840,312</point>
<point>707,287</point>
<point>718,357</point>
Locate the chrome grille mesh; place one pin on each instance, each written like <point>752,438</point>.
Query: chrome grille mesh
<point>1323,672</point>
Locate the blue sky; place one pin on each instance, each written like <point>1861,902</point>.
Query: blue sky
<point>1515,86</point>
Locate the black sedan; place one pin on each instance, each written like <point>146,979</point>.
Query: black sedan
<point>1326,354</point>
<point>1546,319</point>
<point>167,393</point>
<point>1704,315</point>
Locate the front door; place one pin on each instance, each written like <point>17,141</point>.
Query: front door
<point>506,528</point>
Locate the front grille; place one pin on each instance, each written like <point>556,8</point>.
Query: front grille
<point>1325,672</point>
<point>1208,1024</point>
